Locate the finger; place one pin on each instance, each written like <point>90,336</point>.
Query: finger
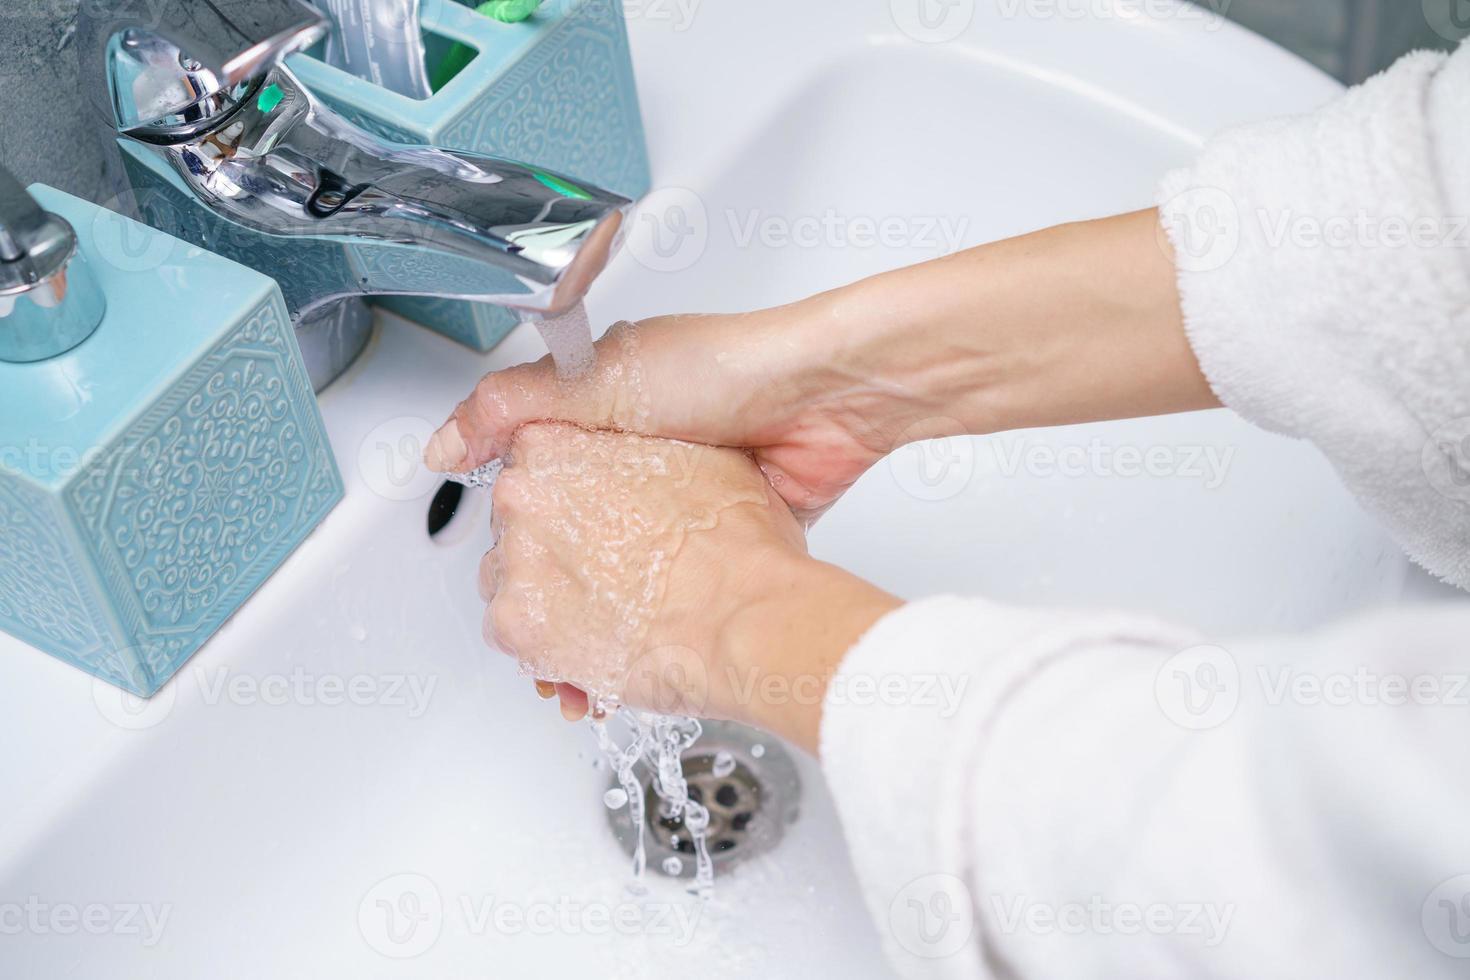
<point>573,702</point>
<point>481,427</point>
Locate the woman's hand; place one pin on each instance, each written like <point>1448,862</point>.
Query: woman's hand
<point>1072,324</point>
<point>763,381</point>
<point>664,575</point>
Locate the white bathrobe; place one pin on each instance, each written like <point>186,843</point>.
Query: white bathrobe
<point>1118,798</point>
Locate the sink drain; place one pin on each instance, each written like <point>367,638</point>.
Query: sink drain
<point>746,780</point>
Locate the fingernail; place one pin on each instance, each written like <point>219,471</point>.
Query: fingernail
<point>446,449</point>
<point>545,690</point>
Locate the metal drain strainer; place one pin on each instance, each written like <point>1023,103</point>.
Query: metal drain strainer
<point>750,803</point>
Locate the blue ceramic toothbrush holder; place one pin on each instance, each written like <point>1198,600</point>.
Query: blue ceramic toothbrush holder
<point>554,91</point>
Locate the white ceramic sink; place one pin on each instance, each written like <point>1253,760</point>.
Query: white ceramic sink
<point>283,833</point>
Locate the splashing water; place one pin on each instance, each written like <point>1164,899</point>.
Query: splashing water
<point>659,742</point>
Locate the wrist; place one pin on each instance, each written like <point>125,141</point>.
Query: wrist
<point>1075,323</point>
<point>780,648</point>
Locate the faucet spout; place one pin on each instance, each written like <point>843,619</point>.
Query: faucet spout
<point>224,147</point>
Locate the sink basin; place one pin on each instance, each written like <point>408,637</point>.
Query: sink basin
<point>345,783</point>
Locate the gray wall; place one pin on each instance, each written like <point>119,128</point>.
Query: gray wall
<point>1352,39</point>
<point>46,135</point>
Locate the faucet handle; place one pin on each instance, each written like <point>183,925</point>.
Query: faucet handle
<point>161,69</point>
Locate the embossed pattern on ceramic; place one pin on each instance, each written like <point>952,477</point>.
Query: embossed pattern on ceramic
<point>556,91</point>
<point>155,476</point>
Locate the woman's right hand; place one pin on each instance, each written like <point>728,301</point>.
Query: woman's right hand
<point>762,381</point>
<point>1072,324</point>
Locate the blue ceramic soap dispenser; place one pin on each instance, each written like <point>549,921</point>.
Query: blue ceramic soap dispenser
<point>161,451</point>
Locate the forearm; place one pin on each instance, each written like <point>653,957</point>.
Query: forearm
<point>1072,324</point>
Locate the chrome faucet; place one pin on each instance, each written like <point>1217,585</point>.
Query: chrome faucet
<point>223,146</point>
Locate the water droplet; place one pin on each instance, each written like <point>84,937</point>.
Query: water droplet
<point>723,765</point>
<point>757,750</point>
<point>672,865</point>
<point>359,634</point>
<point>615,798</point>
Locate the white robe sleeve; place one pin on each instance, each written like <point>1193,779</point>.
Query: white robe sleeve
<point>1043,795</point>
<point>1040,794</point>
<point>1324,270</point>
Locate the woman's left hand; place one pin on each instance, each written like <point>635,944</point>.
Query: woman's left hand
<point>663,575</point>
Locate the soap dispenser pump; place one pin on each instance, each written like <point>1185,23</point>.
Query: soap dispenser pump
<point>49,299</point>
<point>161,450</point>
